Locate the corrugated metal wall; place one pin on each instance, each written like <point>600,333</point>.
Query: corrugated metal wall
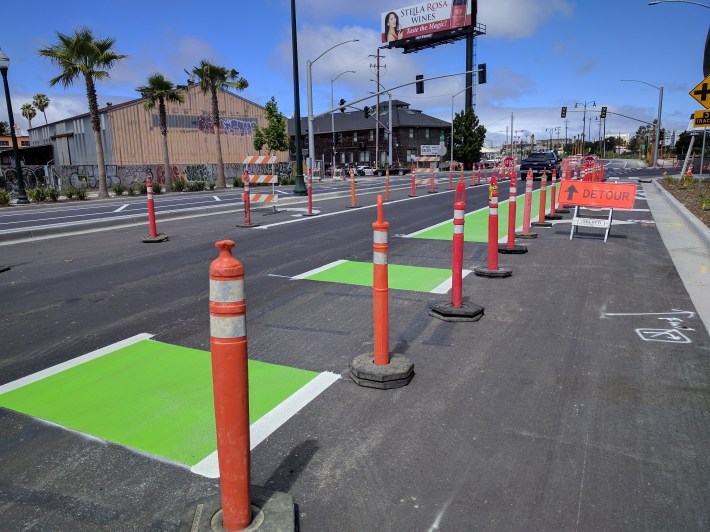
<point>136,138</point>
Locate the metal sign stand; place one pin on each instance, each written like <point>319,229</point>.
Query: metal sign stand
<point>592,220</point>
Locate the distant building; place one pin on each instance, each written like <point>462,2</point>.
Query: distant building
<point>354,139</point>
<point>131,134</point>
<point>6,148</point>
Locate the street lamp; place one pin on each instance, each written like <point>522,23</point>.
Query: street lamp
<point>658,120</point>
<point>332,115</point>
<point>677,2</point>
<point>584,117</point>
<point>389,125</point>
<point>451,157</point>
<point>21,193</point>
<point>309,81</point>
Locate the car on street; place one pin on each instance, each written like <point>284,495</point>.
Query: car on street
<point>539,162</point>
<point>365,170</point>
<point>394,170</point>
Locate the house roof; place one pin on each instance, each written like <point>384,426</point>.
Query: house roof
<point>402,116</point>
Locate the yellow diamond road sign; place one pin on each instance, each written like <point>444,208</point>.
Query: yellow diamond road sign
<point>702,93</point>
<point>701,119</point>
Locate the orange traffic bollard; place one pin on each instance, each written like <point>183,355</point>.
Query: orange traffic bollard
<point>510,247</point>
<point>457,310</point>
<point>526,233</point>
<point>246,198</point>
<point>414,182</point>
<point>154,236</point>
<point>387,183</point>
<point>492,270</point>
<point>451,175</point>
<point>353,203</point>
<point>381,371</point>
<point>543,203</point>
<point>432,182</point>
<point>228,345</point>
<point>553,198</point>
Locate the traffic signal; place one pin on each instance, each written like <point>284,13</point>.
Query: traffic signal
<point>342,105</point>
<point>481,73</point>
<point>420,84</point>
<point>603,113</point>
<point>563,114</point>
<point>366,109</point>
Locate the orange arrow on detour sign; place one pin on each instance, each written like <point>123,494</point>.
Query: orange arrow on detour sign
<point>595,194</point>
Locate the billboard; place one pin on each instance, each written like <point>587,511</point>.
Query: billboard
<point>427,18</point>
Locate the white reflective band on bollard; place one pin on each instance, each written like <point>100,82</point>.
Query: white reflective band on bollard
<point>458,229</point>
<point>226,291</point>
<point>379,237</point>
<point>228,327</point>
<point>379,258</point>
<point>458,214</point>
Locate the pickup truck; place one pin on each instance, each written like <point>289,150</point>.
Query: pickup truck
<point>539,162</point>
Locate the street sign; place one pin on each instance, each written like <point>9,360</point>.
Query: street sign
<point>430,149</point>
<point>589,159</point>
<point>702,93</point>
<point>701,119</point>
<point>509,162</point>
<point>596,194</point>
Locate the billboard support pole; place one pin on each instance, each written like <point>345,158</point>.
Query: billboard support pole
<point>469,71</point>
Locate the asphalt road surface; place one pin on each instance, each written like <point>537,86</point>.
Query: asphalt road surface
<point>579,400</point>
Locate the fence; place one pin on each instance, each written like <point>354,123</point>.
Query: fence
<point>86,176</point>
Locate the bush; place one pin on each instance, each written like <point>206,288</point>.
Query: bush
<point>119,188</point>
<point>195,186</point>
<point>37,194</point>
<point>237,182</point>
<point>687,181</point>
<point>53,194</point>
<point>211,185</point>
<point>179,185</point>
<point>4,197</point>
<point>80,193</point>
<point>157,189</point>
<point>131,191</point>
<point>705,201</point>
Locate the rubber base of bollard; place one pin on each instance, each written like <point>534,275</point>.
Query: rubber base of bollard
<point>447,312</point>
<point>645,180</point>
<point>310,214</point>
<point>412,195</point>
<point>562,210</point>
<point>432,191</point>
<point>516,249</point>
<point>247,225</point>
<point>526,236</point>
<point>485,272</point>
<point>541,224</point>
<point>4,268</point>
<point>353,206</point>
<point>553,216</point>
<point>398,373</point>
<point>154,239</point>
<point>271,510</point>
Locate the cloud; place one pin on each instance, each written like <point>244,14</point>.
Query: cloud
<point>516,19</point>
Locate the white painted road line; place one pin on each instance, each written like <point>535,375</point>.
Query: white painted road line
<point>267,424</point>
<point>318,270</point>
<point>121,207</point>
<point>444,287</point>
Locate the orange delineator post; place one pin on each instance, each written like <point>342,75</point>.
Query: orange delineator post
<point>451,175</point>
<point>543,197</point>
<point>228,347</point>
<point>387,183</point>
<point>380,287</point>
<point>414,181</point>
<point>493,225</point>
<point>247,200</point>
<point>151,207</point>
<point>431,179</point>
<point>457,251</point>
<point>352,188</point>
<point>553,193</point>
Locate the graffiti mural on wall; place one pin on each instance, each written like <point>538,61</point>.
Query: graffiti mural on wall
<point>230,126</point>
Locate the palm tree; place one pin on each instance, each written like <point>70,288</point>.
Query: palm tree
<point>82,55</point>
<point>41,102</point>
<point>29,113</point>
<point>160,90</point>
<point>214,77</point>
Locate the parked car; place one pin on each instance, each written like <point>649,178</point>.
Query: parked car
<point>394,170</point>
<point>365,170</point>
<point>539,162</point>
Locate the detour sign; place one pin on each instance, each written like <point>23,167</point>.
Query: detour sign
<point>596,194</point>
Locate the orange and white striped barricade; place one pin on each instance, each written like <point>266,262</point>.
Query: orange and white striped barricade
<point>381,371</point>
<point>492,270</point>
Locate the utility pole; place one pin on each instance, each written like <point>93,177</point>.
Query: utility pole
<point>377,68</point>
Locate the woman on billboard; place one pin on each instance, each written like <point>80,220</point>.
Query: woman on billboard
<point>392,25</point>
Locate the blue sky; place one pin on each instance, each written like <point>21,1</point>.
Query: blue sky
<point>541,55</point>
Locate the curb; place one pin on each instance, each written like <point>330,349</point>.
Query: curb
<point>702,230</point>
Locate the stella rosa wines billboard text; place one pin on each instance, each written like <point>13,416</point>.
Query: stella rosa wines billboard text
<point>427,18</point>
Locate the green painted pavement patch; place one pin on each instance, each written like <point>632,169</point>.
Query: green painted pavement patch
<point>150,396</point>
<point>476,226</point>
<point>415,278</point>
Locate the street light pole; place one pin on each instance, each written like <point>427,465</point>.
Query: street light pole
<point>21,193</point>
<point>299,188</point>
<point>309,82</point>
<point>677,2</point>
<point>389,122</point>
<point>332,115</point>
<point>658,119</point>
<point>584,118</point>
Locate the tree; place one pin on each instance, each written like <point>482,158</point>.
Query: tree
<point>41,102</point>
<point>29,113</point>
<point>212,78</point>
<point>5,129</point>
<point>274,135</point>
<point>468,138</point>
<point>82,55</point>
<point>160,90</point>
